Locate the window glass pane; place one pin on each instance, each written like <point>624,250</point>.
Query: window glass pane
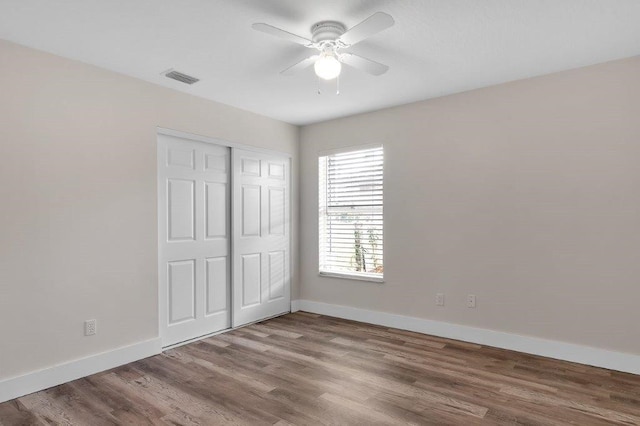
<point>350,212</point>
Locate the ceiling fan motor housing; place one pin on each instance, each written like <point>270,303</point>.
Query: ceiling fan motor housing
<point>327,31</point>
<point>329,38</point>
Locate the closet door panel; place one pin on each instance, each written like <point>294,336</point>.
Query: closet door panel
<point>261,245</point>
<point>194,213</point>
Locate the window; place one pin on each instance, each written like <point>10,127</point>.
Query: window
<point>350,216</point>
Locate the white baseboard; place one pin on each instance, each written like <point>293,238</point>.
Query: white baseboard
<point>630,363</point>
<point>42,379</point>
<point>620,361</point>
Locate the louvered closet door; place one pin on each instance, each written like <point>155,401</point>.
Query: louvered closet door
<point>261,250</point>
<point>194,225</point>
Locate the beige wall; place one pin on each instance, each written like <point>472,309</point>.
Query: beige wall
<point>525,194</point>
<point>78,232</point>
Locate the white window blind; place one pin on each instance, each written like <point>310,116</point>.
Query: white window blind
<point>350,216</point>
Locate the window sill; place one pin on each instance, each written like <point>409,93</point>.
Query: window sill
<point>356,277</point>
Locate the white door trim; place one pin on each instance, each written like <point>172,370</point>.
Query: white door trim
<point>221,142</point>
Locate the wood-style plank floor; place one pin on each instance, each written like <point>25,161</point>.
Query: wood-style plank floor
<point>310,369</point>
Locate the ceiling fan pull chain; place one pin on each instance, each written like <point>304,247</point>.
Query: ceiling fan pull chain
<point>337,85</point>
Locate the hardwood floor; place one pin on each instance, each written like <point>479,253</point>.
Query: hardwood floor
<point>309,369</point>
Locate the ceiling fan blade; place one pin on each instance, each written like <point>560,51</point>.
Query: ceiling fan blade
<point>373,24</point>
<point>300,65</point>
<point>270,29</point>
<point>364,64</point>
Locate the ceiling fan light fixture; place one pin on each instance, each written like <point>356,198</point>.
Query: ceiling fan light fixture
<point>328,37</point>
<point>327,67</point>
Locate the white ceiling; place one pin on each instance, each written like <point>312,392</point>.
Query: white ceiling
<point>436,47</point>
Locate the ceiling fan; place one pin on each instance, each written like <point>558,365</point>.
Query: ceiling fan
<point>330,38</point>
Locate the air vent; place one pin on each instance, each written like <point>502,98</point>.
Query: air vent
<point>183,78</point>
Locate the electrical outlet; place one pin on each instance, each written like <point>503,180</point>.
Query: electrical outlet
<point>439,299</point>
<point>471,301</point>
<point>90,327</point>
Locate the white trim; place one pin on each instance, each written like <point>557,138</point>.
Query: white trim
<point>353,276</point>
<point>221,142</point>
<point>620,361</point>
<point>216,333</point>
<point>195,339</point>
<point>16,387</point>
<point>295,306</point>
<point>327,152</point>
<point>191,137</point>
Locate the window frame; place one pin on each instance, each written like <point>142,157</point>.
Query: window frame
<point>357,276</point>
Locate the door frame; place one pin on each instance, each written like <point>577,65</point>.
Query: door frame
<point>228,144</point>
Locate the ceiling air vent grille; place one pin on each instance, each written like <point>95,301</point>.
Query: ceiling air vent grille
<point>183,78</point>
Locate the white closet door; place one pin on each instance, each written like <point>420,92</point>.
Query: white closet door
<point>261,248</point>
<point>193,232</point>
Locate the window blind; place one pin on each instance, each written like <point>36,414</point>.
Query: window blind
<point>351,213</point>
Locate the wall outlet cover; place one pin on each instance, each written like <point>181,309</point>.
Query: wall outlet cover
<point>90,327</point>
<point>471,301</point>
